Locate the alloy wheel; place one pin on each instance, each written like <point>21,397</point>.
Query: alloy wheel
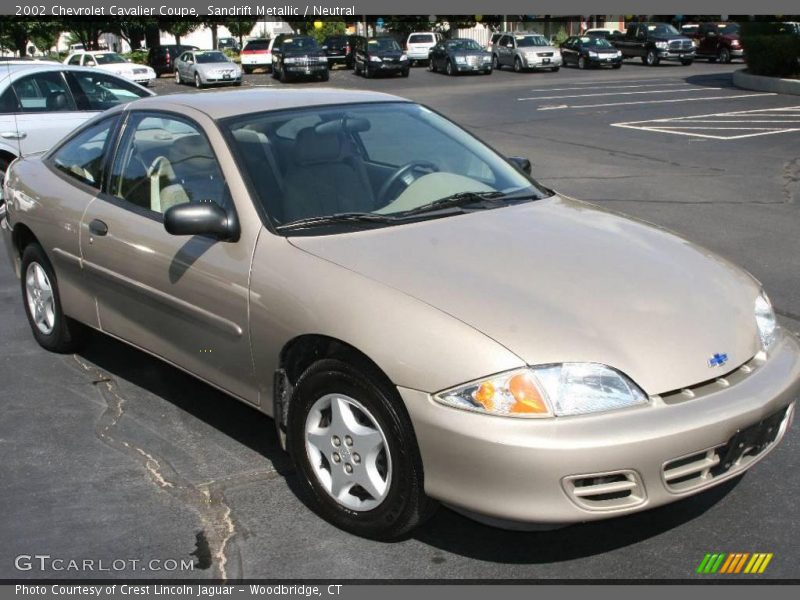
<point>39,294</point>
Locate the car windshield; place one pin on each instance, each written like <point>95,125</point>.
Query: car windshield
<point>662,29</point>
<point>372,164</point>
<point>384,45</point>
<point>531,40</point>
<point>210,57</point>
<point>300,43</point>
<point>108,58</point>
<point>728,28</point>
<point>463,45</point>
<point>596,42</point>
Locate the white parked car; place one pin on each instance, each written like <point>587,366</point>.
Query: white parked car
<point>419,44</point>
<point>113,63</point>
<point>42,102</point>
<point>257,53</point>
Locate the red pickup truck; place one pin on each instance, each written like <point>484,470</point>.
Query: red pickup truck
<point>716,41</point>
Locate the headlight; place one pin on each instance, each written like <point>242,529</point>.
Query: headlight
<point>593,54</point>
<point>404,57</point>
<point>662,45</point>
<point>289,60</point>
<point>530,56</point>
<point>375,59</point>
<point>546,391</point>
<point>765,320</point>
<point>619,53</point>
<point>461,60</point>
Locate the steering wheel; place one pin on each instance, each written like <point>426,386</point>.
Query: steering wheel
<point>401,172</point>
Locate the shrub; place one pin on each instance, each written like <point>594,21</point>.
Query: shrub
<point>137,56</point>
<point>768,52</point>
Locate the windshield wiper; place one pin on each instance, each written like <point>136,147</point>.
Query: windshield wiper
<point>461,199</point>
<point>345,217</point>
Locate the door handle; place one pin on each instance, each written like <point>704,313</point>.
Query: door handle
<point>14,135</point>
<point>98,227</point>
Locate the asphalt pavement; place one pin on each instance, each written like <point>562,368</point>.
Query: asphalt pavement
<point>111,455</point>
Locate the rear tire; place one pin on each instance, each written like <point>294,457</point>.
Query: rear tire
<point>51,328</point>
<point>397,503</point>
<point>555,69</point>
<point>247,70</point>
<point>431,66</point>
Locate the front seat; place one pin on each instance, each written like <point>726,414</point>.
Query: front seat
<point>326,176</point>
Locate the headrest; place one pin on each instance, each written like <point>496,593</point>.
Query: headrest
<point>56,101</point>
<point>190,147</point>
<point>311,147</point>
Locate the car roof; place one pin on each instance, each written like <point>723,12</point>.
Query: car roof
<point>230,103</point>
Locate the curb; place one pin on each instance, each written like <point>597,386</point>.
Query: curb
<point>744,80</point>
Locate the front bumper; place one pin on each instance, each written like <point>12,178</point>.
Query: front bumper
<point>679,55</point>
<point>388,67</point>
<point>476,68</point>
<point>601,62</point>
<point>305,69</point>
<point>220,80</point>
<point>542,62</point>
<point>528,470</point>
<point>737,52</point>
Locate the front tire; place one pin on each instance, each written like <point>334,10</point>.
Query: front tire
<point>53,330</point>
<point>496,63</point>
<point>197,83</point>
<point>355,450</point>
<point>582,63</point>
<point>651,60</point>
<point>687,63</point>
<point>517,65</point>
<point>449,68</point>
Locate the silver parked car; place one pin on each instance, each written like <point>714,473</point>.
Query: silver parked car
<point>423,320</point>
<point>42,101</point>
<point>207,67</point>
<point>525,52</point>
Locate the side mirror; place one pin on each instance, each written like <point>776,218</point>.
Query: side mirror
<point>522,163</point>
<point>206,218</point>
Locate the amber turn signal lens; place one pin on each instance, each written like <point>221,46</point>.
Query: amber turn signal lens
<point>527,395</point>
<point>485,395</point>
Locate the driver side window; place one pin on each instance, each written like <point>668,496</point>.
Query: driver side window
<point>164,161</point>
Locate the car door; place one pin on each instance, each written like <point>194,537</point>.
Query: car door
<point>183,298</point>
<point>40,111</point>
<point>437,54</point>
<point>568,49</point>
<point>503,51</point>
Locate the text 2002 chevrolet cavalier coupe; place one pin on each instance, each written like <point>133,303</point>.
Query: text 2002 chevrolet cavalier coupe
<point>423,320</point>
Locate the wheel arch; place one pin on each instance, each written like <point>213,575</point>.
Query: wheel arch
<point>301,352</point>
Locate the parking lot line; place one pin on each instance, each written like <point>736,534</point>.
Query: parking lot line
<point>563,106</point>
<point>603,87</point>
<point>687,89</point>
<point>754,122</point>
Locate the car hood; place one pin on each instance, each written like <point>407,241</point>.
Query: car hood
<point>466,53</point>
<point>539,49</point>
<point>205,67</point>
<point>559,280</point>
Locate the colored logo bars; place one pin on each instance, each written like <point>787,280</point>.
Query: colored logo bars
<point>734,563</point>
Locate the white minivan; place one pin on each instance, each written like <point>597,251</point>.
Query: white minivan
<point>419,44</point>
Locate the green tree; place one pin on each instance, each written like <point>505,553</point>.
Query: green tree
<point>240,27</point>
<point>45,34</point>
<point>328,28</point>
<point>179,28</point>
<point>213,24</point>
<point>15,33</point>
<point>88,32</point>
<point>131,29</point>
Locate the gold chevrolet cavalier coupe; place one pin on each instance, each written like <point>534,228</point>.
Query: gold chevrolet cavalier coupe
<point>423,320</point>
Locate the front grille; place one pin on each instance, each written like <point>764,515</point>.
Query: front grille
<point>605,491</point>
<point>544,54</point>
<point>474,61</point>
<point>702,468</point>
<point>717,384</point>
<point>680,45</point>
<point>304,61</point>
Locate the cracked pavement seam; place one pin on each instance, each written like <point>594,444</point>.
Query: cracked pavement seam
<point>791,174</point>
<point>206,499</point>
